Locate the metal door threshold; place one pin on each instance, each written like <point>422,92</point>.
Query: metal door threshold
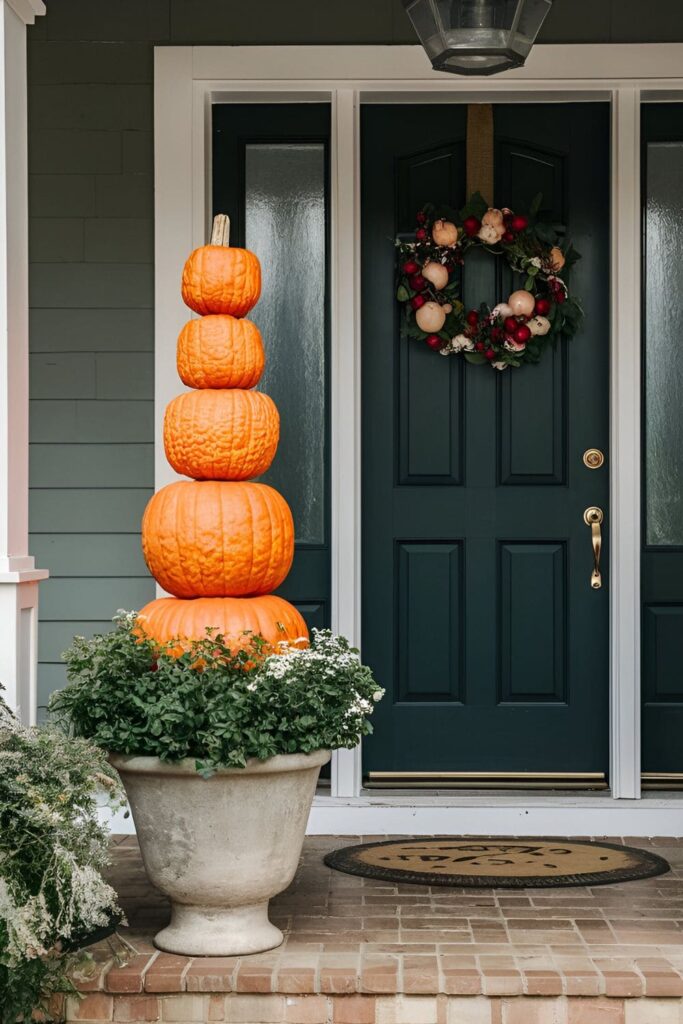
<point>487,780</point>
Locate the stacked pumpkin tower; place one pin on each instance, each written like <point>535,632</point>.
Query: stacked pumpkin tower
<point>220,543</point>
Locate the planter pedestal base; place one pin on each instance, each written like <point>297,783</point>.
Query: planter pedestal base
<point>215,931</point>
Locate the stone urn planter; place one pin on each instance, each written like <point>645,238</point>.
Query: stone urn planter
<point>221,847</point>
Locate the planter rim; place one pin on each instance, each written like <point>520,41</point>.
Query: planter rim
<point>144,765</point>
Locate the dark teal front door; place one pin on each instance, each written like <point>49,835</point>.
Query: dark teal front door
<point>478,615</point>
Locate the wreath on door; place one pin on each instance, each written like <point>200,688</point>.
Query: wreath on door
<point>510,333</point>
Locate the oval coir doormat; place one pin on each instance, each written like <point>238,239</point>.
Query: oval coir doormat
<point>495,863</point>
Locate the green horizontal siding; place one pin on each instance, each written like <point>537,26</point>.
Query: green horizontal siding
<point>92,330</point>
<point>92,465</point>
<point>60,420</point>
<point>87,510</point>
<point>65,599</point>
<point>91,210</point>
<point>80,555</point>
<point>91,199</point>
<point>96,375</point>
<point>55,637</point>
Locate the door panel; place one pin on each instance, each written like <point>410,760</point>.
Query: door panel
<point>478,615</point>
<point>270,174</point>
<point>533,650</point>
<point>429,614</point>
<point>532,424</point>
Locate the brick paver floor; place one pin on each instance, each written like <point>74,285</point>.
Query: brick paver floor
<point>345,935</point>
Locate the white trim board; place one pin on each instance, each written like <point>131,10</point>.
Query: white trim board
<point>189,79</point>
<point>482,814</point>
<point>557,814</point>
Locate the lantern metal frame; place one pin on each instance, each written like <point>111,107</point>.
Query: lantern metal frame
<point>445,60</point>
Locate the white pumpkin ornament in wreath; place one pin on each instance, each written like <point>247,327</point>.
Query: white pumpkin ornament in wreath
<point>509,333</point>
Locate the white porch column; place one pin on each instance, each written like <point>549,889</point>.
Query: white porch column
<point>18,575</point>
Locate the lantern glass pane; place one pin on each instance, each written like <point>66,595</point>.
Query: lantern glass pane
<point>477,36</point>
<point>477,15</point>
<point>531,17</point>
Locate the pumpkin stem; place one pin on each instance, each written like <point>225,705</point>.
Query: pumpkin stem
<point>220,234</point>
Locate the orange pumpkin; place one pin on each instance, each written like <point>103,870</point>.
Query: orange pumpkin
<point>220,352</point>
<point>271,617</point>
<point>208,538</point>
<point>221,435</point>
<point>221,279</point>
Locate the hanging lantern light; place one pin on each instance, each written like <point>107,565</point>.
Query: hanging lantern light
<point>477,37</point>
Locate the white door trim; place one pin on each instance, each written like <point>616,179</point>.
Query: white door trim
<point>189,79</point>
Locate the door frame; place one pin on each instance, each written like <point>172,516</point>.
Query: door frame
<point>188,79</point>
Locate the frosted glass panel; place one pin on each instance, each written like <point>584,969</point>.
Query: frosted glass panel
<point>664,344</point>
<point>285,227</point>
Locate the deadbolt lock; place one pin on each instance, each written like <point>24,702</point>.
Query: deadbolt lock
<point>593,458</point>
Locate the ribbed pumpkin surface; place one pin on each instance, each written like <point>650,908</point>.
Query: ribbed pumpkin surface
<point>221,435</point>
<point>207,538</point>
<point>219,279</point>
<point>220,351</point>
<point>271,617</point>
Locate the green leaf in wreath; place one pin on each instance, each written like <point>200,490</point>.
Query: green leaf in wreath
<point>402,293</point>
<point>536,204</point>
<point>545,233</point>
<point>529,283</point>
<point>476,206</point>
<point>445,212</point>
<point>475,357</point>
<point>571,257</point>
<point>411,330</point>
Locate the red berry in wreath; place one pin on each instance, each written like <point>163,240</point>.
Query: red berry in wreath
<point>434,341</point>
<point>542,306</point>
<point>510,325</point>
<point>560,296</point>
<point>421,217</point>
<point>522,334</point>
<point>496,334</point>
<point>420,234</point>
<point>490,354</point>
<point>479,346</point>
<point>472,318</point>
<point>410,267</point>
<point>417,282</point>
<point>471,226</point>
<point>508,237</point>
<point>519,223</point>
<point>417,301</point>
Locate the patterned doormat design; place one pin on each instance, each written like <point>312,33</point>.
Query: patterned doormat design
<point>485,862</point>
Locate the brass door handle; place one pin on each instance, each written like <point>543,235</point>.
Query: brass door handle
<point>593,517</point>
